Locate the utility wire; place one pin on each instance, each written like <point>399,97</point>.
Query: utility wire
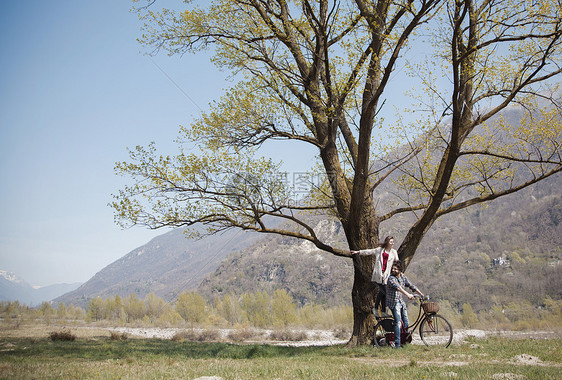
<point>175,84</point>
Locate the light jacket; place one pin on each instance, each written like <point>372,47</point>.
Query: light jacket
<point>378,276</point>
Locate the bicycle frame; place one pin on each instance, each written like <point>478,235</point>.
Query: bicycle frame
<point>407,333</point>
<point>421,316</point>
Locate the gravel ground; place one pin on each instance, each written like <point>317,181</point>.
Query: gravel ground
<point>321,337</point>
<point>314,337</point>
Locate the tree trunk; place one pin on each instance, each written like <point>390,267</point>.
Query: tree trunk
<point>363,297</point>
<point>363,233</point>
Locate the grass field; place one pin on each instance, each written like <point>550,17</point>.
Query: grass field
<point>33,355</point>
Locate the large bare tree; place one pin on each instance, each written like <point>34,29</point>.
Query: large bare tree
<point>318,72</point>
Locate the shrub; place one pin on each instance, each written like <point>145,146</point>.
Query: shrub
<point>62,335</point>
<point>116,336</point>
<point>342,333</point>
<point>288,335</point>
<point>468,317</point>
<point>209,336</point>
<point>177,337</point>
<point>198,336</point>
<point>242,335</point>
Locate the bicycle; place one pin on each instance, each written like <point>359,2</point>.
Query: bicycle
<point>434,329</point>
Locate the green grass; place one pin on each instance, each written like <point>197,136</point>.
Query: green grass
<point>102,358</point>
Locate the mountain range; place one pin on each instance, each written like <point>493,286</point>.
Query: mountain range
<point>166,266</point>
<point>13,288</point>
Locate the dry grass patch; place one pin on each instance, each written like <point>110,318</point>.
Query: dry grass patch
<point>288,335</point>
<point>64,335</point>
<point>244,335</point>
<point>114,335</point>
<point>198,336</point>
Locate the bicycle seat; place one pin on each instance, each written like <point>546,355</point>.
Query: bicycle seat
<point>387,323</point>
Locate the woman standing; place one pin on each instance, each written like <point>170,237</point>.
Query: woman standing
<point>385,256</point>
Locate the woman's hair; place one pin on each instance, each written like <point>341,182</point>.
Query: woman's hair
<point>387,239</point>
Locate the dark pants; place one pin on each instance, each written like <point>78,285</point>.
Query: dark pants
<point>381,298</point>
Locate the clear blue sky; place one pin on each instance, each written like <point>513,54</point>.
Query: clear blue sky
<point>75,91</point>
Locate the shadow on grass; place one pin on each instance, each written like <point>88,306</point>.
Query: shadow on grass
<point>104,349</point>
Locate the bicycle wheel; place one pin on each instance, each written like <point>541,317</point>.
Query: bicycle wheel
<point>380,335</point>
<point>436,331</point>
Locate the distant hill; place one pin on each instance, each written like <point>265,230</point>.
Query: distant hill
<point>508,251</point>
<point>307,273</point>
<point>455,260</point>
<point>165,266</point>
<point>13,288</point>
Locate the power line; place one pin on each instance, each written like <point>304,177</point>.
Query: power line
<point>175,84</point>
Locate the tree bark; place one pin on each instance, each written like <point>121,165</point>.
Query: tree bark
<point>363,298</point>
<point>363,233</point>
